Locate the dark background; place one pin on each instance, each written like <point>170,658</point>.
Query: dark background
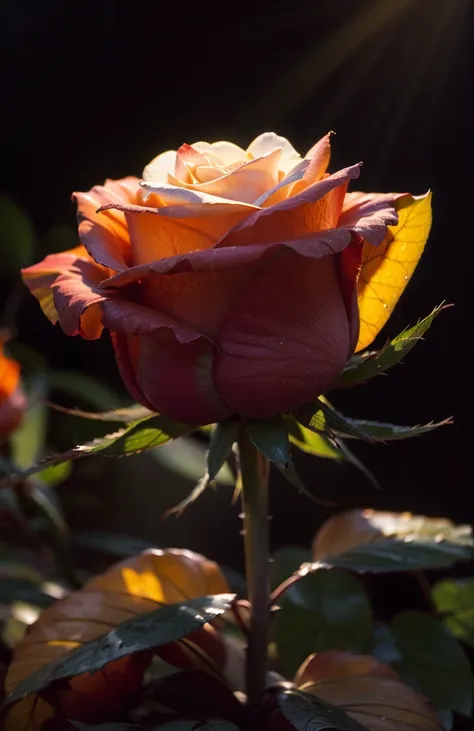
<point>96,90</point>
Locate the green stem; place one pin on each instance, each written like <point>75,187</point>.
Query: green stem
<point>254,469</point>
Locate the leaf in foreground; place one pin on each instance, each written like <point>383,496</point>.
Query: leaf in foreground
<point>370,693</point>
<point>367,540</point>
<point>128,589</point>
<point>164,625</point>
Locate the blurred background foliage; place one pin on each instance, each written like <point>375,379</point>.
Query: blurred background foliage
<point>96,90</point>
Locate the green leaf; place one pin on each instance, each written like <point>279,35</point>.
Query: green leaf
<point>362,367</point>
<point>384,647</point>
<point>85,388</point>
<point>17,237</point>
<point>454,598</point>
<point>28,442</point>
<point>367,540</point>
<point>325,610</point>
<point>270,437</point>
<point>322,418</point>
<point>379,431</point>
<point>312,443</point>
<point>286,561</point>
<point>433,661</point>
<point>305,712</point>
<point>112,544</point>
<point>136,437</point>
<point>166,624</point>
<point>223,438</point>
<point>46,502</point>
<point>55,474</point>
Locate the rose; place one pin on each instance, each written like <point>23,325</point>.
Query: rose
<point>12,399</point>
<point>226,277</point>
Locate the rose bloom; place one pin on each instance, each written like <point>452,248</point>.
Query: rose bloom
<point>227,278</point>
<point>12,399</point>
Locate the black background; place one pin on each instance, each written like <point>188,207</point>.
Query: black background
<point>96,90</point>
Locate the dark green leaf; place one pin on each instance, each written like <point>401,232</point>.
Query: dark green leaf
<point>133,438</point>
<point>367,540</point>
<point>446,719</point>
<point>322,418</point>
<point>305,712</point>
<point>270,436</point>
<point>365,366</point>
<point>223,438</point>
<point>325,610</point>
<point>164,625</point>
<point>433,661</point>
<point>22,590</point>
<point>286,562</point>
<point>379,431</point>
<point>47,503</point>
<point>112,544</point>
<point>454,598</point>
<point>16,237</point>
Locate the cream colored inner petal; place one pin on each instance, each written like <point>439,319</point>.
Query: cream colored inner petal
<point>221,152</point>
<point>269,141</point>
<point>161,166</point>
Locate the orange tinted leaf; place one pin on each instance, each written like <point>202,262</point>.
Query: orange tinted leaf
<point>369,692</point>
<point>387,269</point>
<point>367,540</point>
<point>132,587</point>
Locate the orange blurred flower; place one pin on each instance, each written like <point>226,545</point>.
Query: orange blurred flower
<point>233,281</point>
<point>12,399</point>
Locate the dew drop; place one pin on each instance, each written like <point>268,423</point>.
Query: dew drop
<point>385,306</point>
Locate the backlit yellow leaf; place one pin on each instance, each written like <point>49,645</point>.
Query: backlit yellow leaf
<point>387,269</point>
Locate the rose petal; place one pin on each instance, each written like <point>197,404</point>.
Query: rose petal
<point>245,183</point>
<point>160,167</point>
<point>226,152</point>
<point>319,157</point>
<point>167,368</point>
<point>316,208</point>
<point>104,233</point>
<point>349,264</point>
<point>369,214</point>
<point>285,339</point>
<point>40,277</point>
<point>127,354</point>
<point>187,158</point>
<point>270,198</point>
<point>78,298</point>
<point>314,245</point>
<point>9,374</point>
<point>132,318</point>
<point>268,142</point>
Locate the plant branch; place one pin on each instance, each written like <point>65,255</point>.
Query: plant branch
<point>254,472</point>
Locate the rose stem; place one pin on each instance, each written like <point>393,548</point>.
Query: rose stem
<point>254,469</point>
